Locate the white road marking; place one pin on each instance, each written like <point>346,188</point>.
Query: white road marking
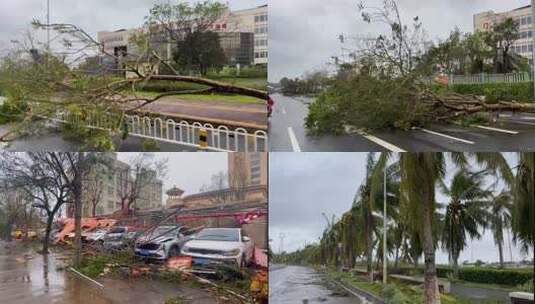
<point>496,129</point>
<point>293,140</point>
<point>86,277</point>
<point>283,110</point>
<point>382,143</point>
<point>446,136</point>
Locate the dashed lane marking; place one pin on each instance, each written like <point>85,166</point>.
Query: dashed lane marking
<point>382,143</point>
<point>293,140</point>
<point>446,136</point>
<point>496,129</point>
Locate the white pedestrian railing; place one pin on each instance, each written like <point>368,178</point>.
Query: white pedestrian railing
<point>202,136</point>
<point>489,78</point>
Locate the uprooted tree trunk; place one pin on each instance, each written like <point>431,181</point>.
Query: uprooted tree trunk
<point>450,106</point>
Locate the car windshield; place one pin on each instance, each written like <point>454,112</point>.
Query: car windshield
<point>163,231</point>
<point>117,230</point>
<point>219,235</point>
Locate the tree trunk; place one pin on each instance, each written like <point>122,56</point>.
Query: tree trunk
<point>369,257</point>
<point>455,260</point>
<point>48,229</point>
<point>77,195</point>
<point>94,210</point>
<point>431,295</point>
<point>500,251</point>
<point>396,259</point>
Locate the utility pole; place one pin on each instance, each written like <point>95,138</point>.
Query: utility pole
<point>384,226</point>
<point>48,25</point>
<point>281,244</point>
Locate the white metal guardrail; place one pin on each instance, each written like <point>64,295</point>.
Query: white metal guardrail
<point>489,78</point>
<point>202,136</point>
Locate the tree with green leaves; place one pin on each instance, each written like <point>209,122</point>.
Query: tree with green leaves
<point>500,39</point>
<point>523,215</point>
<point>500,218</point>
<point>189,27</point>
<point>466,213</point>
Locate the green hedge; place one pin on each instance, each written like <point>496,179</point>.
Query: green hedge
<point>522,91</point>
<point>494,276</point>
<point>509,277</point>
<point>167,86</point>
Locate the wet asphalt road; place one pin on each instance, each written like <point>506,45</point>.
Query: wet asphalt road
<point>287,133</point>
<point>27,277</point>
<point>296,284</point>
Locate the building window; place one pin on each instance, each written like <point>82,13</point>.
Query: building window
<point>260,18</point>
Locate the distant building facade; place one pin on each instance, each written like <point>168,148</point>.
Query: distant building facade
<point>105,188</point>
<point>254,20</point>
<point>243,38</point>
<point>252,167</point>
<point>484,21</point>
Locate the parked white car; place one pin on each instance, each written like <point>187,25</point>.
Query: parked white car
<point>217,246</point>
<point>161,243</point>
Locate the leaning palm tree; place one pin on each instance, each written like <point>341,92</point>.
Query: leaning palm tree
<point>466,212</point>
<point>523,219</point>
<point>500,218</point>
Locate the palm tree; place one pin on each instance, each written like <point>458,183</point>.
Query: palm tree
<point>500,218</point>
<point>523,221</point>
<point>465,213</point>
<point>420,173</point>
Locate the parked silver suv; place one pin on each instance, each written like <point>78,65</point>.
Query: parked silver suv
<point>161,242</point>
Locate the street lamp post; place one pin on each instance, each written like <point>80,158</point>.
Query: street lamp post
<point>384,226</point>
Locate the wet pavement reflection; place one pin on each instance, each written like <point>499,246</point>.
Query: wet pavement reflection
<point>28,277</point>
<point>297,284</point>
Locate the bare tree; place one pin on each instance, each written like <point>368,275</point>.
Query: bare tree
<point>42,177</point>
<point>239,178</point>
<point>143,170</point>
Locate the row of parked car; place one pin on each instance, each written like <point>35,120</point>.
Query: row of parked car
<point>208,247</point>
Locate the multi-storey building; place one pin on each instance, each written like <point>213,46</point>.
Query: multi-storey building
<point>255,20</point>
<point>243,37</point>
<point>104,188</point>
<point>248,168</point>
<point>523,15</point>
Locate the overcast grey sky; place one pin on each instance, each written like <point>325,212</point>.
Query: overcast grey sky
<point>91,15</point>
<point>188,171</point>
<point>303,34</point>
<point>303,185</point>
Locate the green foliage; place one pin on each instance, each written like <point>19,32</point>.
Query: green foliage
<point>170,276</point>
<point>394,295</point>
<point>150,145</point>
<point>522,91</point>
<point>508,277</point>
<point>176,300</point>
<point>10,111</point>
<point>527,287</point>
<point>168,86</point>
<point>322,117</point>
<point>257,71</point>
<point>199,51</point>
<point>366,102</point>
<point>93,266</point>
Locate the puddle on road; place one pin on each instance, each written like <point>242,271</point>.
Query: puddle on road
<point>293,284</point>
<point>27,277</point>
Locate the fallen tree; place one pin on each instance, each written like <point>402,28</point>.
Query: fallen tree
<point>383,87</point>
<point>47,81</point>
